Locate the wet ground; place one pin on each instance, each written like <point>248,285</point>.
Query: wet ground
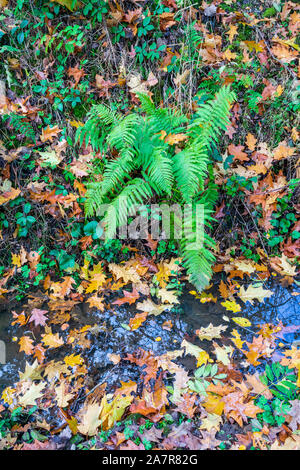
<point>112,335</point>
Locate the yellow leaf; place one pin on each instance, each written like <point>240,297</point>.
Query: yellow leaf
<point>9,195</point>
<point>8,395</point>
<point>236,339</point>
<point>233,30</point>
<point>173,139</point>
<point>203,357</point>
<point>229,55</point>
<point>214,405</point>
<point>231,306</point>
<point>16,260</point>
<point>241,321</point>
<point>73,360</point>
<point>76,124</point>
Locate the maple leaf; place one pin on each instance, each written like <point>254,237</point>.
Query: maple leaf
<point>211,421</point>
<point>49,159</point>
<point>165,270</point>
<point>228,55</point>
<point>233,31</point>
<point>38,317</point>
<point>19,319</point>
<point>62,289</point>
<point>169,296</point>
<point>26,345</point>
<point>16,260</point>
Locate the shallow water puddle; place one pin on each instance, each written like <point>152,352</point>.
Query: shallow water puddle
<point>113,337</point>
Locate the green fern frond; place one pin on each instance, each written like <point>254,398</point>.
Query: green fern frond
<point>198,264</point>
<point>123,134</point>
<point>93,199</point>
<point>160,170</point>
<point>212,118</point>
<point>147,105</point>
<point>116,171</point>
<point>99,119</point>
<point>190,166</point>
<point>196,245</point>
<point>125,204</point>
<point>23,127</point>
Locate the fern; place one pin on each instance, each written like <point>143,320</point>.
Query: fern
<point>22,127</point>
<point>147,166</point>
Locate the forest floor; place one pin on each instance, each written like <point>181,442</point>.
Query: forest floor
<point>107,344</point>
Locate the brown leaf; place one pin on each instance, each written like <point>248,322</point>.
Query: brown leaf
<point>237,152</point>
<point>129,297</point>
<point>49,133</point>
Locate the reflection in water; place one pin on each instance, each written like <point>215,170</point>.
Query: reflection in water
<point>112,337</point>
